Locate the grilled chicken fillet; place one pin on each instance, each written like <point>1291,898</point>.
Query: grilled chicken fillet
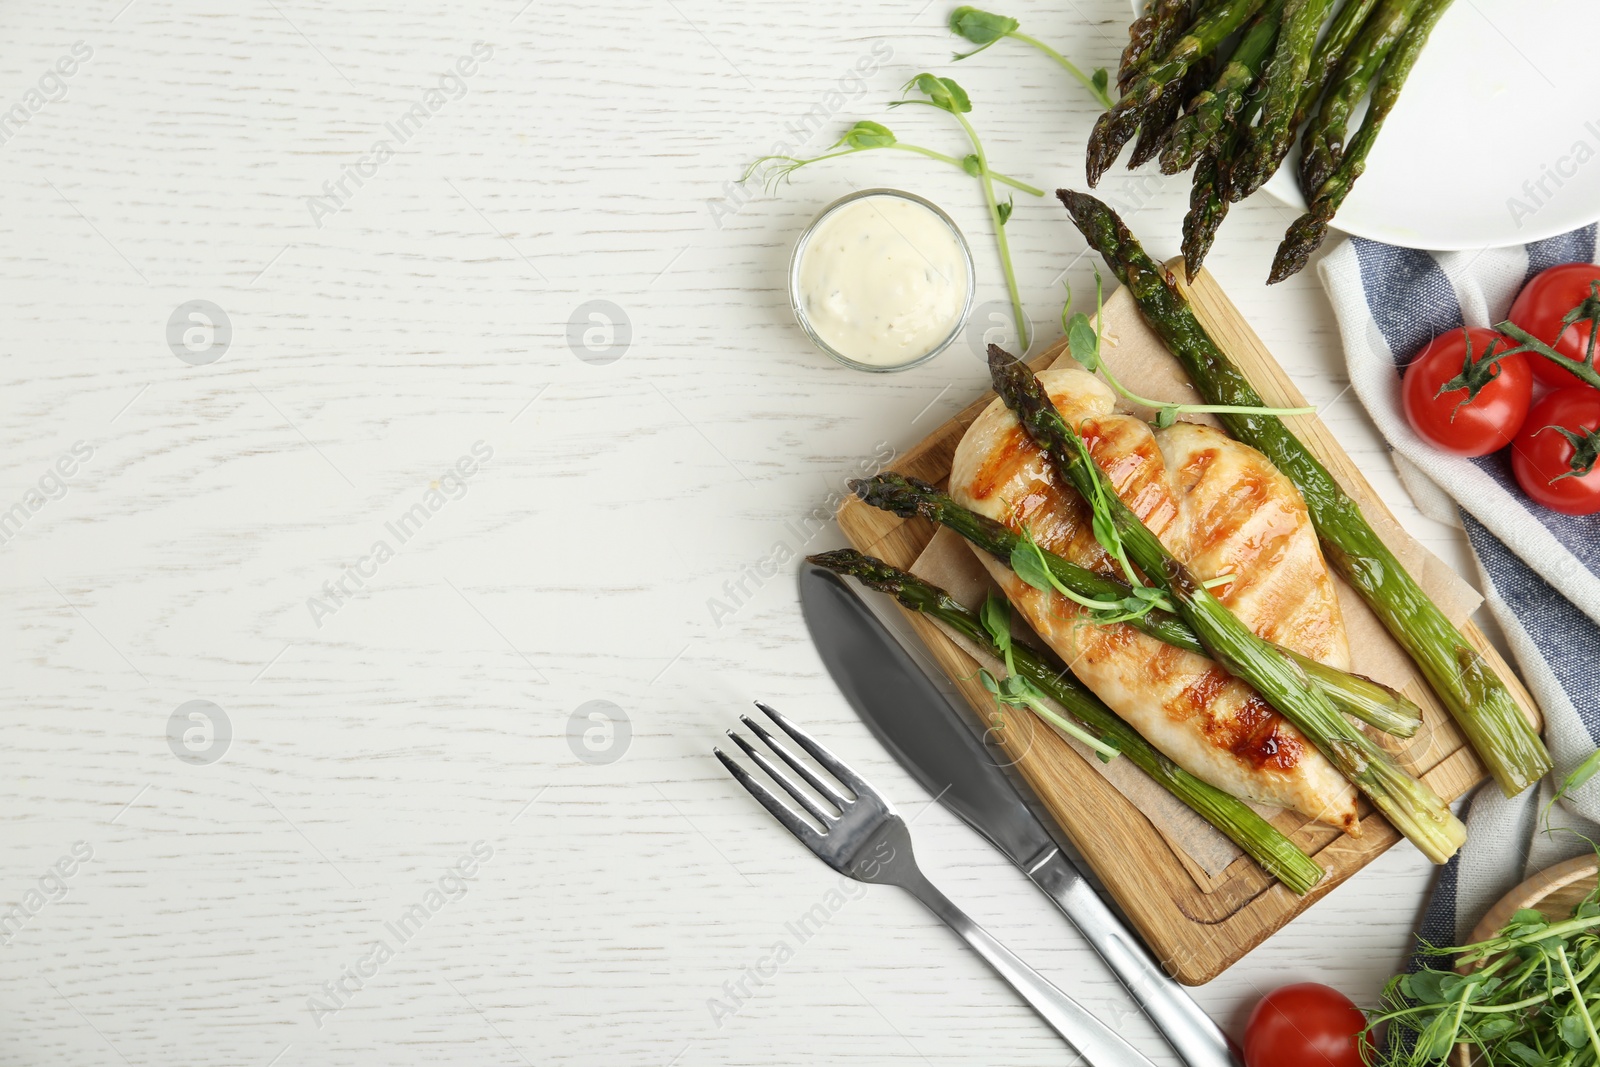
<point>1222,508</point>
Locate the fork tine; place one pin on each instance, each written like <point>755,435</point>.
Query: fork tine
<point>789,785</point>
<point>851,779</point>
<point>827,789</point>
<point>780,811</point>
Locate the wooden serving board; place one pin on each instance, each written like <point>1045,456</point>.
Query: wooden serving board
<point>1197,925</point>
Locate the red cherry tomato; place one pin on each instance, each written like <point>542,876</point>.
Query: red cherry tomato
<point>1304,1025</point>
<point>1539,309</point>
<point>1542,458</point>
<point>1487,422</point>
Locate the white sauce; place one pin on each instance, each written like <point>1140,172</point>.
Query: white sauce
<point>883,280</point>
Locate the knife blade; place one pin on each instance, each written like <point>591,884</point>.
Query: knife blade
<point>934,742</point>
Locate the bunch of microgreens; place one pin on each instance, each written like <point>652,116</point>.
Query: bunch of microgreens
<point>1528,996</point>
<point>1015,691</point>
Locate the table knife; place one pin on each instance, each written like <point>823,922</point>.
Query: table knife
<point>933,741</point>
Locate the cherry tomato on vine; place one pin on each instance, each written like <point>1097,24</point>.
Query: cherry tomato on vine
<point>1304,1025</point>
<point>1539,309</point>
<point>1470,407</point>
<point>1554,457</point>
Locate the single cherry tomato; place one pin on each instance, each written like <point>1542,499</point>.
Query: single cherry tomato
<point>1554,457</point>
<point>1304,1025</point>
<point>1539,309</point>
<point>1470,407</point>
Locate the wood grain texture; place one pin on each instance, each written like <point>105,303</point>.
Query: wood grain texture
<point>1197,926</point>
<point>586,160</point>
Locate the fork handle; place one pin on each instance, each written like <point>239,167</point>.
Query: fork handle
<point>1097,1043</point>
<point>1190,1032</point>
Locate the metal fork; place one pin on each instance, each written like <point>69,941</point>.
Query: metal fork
<point>867,840</point>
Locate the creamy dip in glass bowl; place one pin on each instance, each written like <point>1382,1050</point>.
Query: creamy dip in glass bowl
<point>881,280</point>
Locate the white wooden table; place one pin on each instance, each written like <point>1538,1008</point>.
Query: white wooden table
<point>398,272</point>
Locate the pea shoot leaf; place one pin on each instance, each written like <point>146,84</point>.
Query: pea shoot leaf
<point>1027,560</point>
<point>942,93</point>
<point>1428,985</point>
<point>980,27</point>
<point>1523,1054</point>
<point>866,134</point>
<point>1084,342</point>
<point>1573,1033</point>
<point>996,619</point>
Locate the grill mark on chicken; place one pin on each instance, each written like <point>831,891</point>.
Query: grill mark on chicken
<point>1000,464</point>
<point>1256,734</point>
<point>1122,447</point>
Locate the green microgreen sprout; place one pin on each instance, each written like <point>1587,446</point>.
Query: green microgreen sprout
<point>984,28</point>
<point>865,136</point>
<point>1015,691</point>
<point>1526,996</point>
<point>1084,341</point>
<point>945,95</point>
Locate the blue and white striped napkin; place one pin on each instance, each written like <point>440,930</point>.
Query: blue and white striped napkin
<point>1540,570</point>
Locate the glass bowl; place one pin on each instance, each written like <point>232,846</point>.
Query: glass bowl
<point>797,303</point>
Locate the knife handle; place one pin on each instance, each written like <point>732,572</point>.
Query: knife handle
<point>1197,1040</point>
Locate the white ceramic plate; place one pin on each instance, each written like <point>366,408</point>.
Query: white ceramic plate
<point>1496,138</point>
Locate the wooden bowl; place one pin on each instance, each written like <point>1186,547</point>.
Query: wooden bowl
<point>1553,892</point>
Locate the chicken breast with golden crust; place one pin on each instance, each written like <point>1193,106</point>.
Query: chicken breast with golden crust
<point>1222,508</point>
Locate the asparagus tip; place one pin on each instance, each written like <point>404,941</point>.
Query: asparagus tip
<point>999,358</point>
<point>899,494</point>
<point>1078,205</point>
<point>1305,236</point>
<point>1112,130</point>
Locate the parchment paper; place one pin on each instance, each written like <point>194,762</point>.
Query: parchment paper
<point>1137,357</point>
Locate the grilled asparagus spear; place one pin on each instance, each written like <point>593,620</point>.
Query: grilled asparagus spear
<point>1117,126</point>
<point>1286,76</point>
<point>1157,119</point>
<point>1307,232</point>
<point>1161,26</point>
<point>1209,197</point>
<point>1475,696</point>
<point>1150,35</point>
<point>1211,114</point>
<point>1322,146</point>
<point>1262,841</point>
